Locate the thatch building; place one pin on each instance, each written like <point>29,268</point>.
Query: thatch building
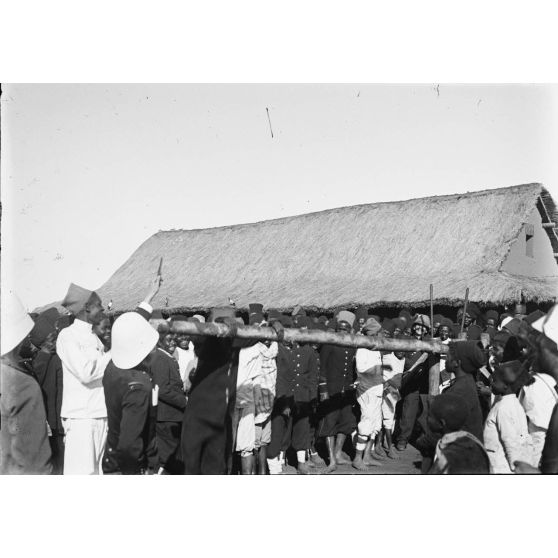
<point>500,243</point>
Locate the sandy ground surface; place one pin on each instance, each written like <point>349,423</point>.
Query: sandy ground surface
<point>407,464</point>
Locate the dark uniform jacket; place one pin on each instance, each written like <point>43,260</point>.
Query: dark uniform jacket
<point>131,420</point>
<point>416,381</point>
<point>166,374</point>
<point>48,371</point>
<point>24,446</point>
<point>337,368</point>
<point>305,374</point>
<point>284,386</point>
<point>466,388</point>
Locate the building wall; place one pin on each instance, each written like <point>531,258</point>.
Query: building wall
<point>542,262</point>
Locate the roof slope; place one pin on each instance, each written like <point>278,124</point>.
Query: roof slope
<point>374,254</point>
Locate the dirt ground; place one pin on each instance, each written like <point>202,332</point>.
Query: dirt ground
<point>408,464</point>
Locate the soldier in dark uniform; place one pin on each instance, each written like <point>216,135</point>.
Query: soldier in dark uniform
<point>48,371</point>
<point>337,394</point>
<point>281,421</point>
<point>297,382</point>
<point>131,447</point>
<point>171,403</point>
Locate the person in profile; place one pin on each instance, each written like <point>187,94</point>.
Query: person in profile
<point>458,452</point>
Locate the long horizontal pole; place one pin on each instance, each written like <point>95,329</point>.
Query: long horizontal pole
<point>316,336</point>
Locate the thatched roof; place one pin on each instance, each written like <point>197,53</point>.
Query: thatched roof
<point>381,254</point>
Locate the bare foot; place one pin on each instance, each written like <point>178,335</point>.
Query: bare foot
<point>303,469</point>
<point>330,468</point>
<point>342,460</point>
<point>316,461</point>
<point>379,451</point>
<point>359,464</point>
<point>393,454</point>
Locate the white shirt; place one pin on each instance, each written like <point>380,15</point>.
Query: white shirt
<point>83,366</point>
<point>267,379</point>
<point>392,366</point>
<point>187,361</point>
<point>505,435</point>
<point>367,359</point>
<point>538,400</point>
<point>249,367</point>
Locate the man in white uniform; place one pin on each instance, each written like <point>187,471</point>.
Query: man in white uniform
<point>370,390</point>
<point>84,414</point>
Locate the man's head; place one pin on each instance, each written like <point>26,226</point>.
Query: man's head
<point>401,354</point>
<point>465,357</point>
<point>400,324</point>
<point>83,304</point>
<point>445,329</point>
<point>468,318</point>
<point>102,330</point>
<point>491,318</point>
<point>508,378</point>
<point>447,413</point>
<point>45,328</point>
<point>371,327</point>
<point>167,341</point>
<point>345,321</point>
<point>421,326</point>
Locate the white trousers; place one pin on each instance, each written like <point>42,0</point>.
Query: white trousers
<point>85,441</point>
<point>244,430</point>
<point>370,411</point>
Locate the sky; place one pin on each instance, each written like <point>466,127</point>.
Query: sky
<point>89,172</point>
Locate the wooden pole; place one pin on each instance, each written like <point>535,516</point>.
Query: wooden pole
<point>432,310</point>
<point>464,310</point>
<point>306,336</point>
<point>434,379</point>
<point>434,371</point>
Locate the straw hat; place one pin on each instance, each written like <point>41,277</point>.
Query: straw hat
<point>132,340</point>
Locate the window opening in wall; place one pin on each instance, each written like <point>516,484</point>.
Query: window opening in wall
<point>529,236</point>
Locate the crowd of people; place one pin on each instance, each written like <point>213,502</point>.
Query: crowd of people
<point>87,393</point>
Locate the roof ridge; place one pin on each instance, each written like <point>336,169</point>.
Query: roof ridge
<point>443,197</point>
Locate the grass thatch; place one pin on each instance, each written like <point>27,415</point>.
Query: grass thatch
<point>375,254</point>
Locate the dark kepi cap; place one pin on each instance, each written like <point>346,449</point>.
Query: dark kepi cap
<point>513,326</point>
<point>44,325</point>
<point>361,312</point>
<point>510,371</point>
<point>470,354</point>
<point>474,332</point>
<point>388,325</point>
<point>492,315</point>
